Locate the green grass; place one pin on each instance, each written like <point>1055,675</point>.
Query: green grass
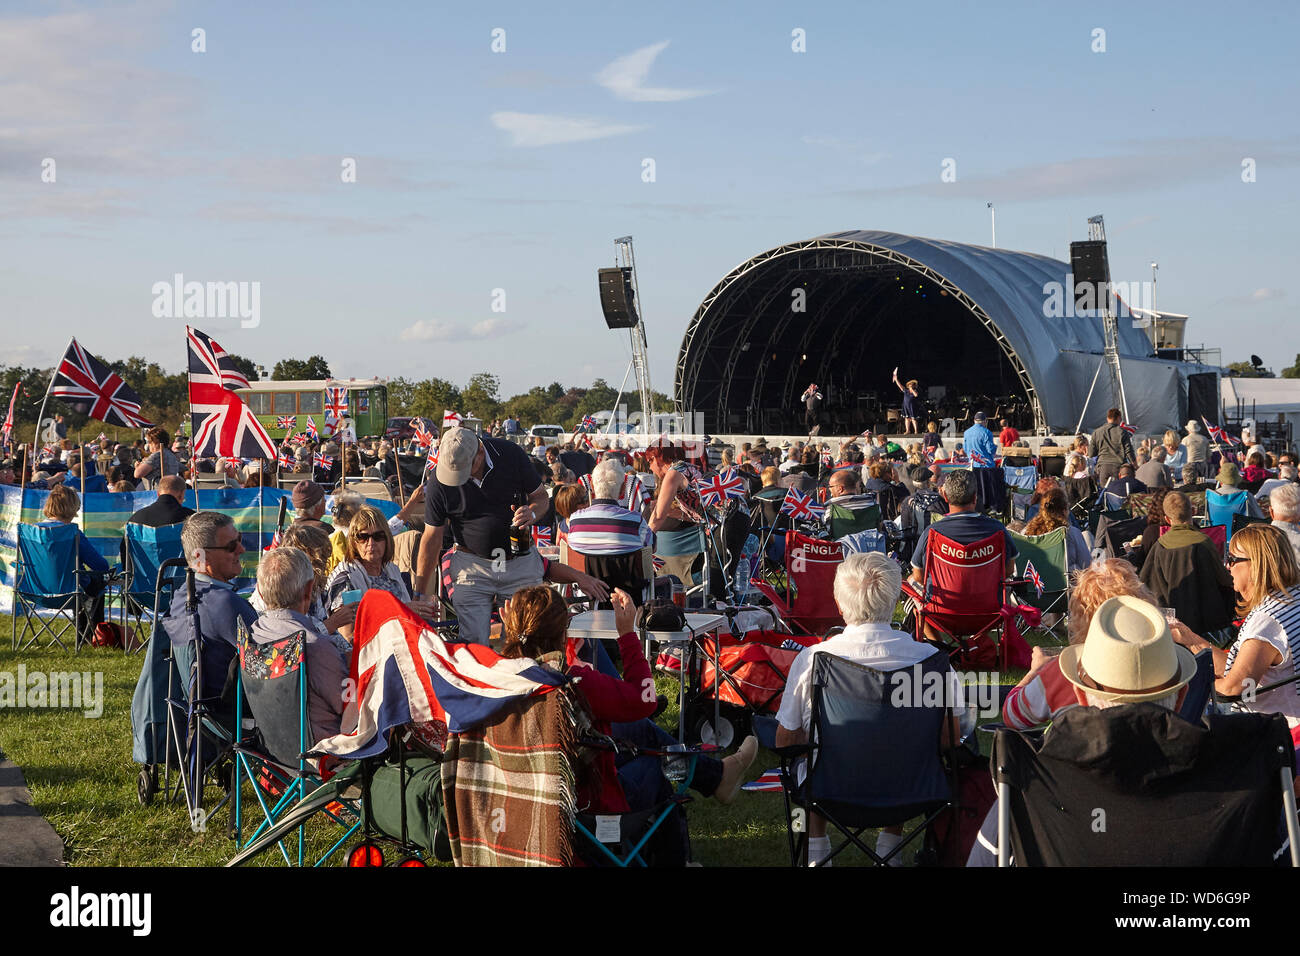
<point>83,782</point>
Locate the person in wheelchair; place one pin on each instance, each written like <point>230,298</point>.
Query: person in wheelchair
<point>867,588</point>
<point>534,623</point>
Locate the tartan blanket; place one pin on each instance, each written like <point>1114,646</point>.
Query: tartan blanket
<point>508,786</point>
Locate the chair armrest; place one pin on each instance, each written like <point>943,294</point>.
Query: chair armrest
<point>765,730</point>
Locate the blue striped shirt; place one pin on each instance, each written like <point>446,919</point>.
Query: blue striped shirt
<point>603,527</point>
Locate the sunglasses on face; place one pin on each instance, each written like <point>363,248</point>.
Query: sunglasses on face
<point>369,536</point>
<point>1234,559</point>
<point>230,548</point>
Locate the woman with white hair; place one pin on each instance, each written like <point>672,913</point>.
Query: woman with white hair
<point>867,588</point>
<point>1284,505</point>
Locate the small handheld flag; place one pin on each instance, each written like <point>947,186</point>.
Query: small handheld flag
<point>801,506</point>
<point>722,486</point>
<point>322,460</point>
<point>451,419</point>
<point>1131,429</point>
<point>287,421</point>
<point>1031,573</point>
<point>284,459</point>
<point>541,535</point>
<point>311,429</point>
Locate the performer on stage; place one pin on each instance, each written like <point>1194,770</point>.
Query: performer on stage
<point>812,399</point>
<point>911,405</point>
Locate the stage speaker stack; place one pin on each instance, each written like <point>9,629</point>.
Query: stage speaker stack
<point>617,300</point>
<point>1091,268</point>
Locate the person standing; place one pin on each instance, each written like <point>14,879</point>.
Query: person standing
<point>978,440</point>
<point>481,489</point>
<point>812,399</point>
<point>1198,448</point>
<point>911,405</point>
<point>1113,446</point>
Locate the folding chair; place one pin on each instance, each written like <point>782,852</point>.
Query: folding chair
<point>963,591</point>
<point>1168,793</point>
<point>810,565</point>
<point>871,761</point>
<point>862,513</point>
<point>1047,552</point>
<point>1221,508</point>
<point>273,754</point>
<point>145,551</point>
<point>633,572</point>
<point>1023,479</point>
<point>45,578</point>
<point>1240,521</point>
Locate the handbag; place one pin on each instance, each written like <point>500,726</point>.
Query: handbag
<point>660,615</point>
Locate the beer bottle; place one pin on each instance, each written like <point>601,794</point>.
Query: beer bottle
<point>521,539</point>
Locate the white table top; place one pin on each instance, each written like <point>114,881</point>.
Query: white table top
<point>599,625</point>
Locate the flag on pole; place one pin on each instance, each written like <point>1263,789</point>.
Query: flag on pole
<point>287,421</point>
<point>1034,577</point>
<point>422,436</point>
<point>7,430</point>
<point>1131,429</point>
<point>92,389</point>
<point>224,426</point>
<point>284,459</point>
<point>451,419</point>
<point>433,458</point>
<point>322,460</point>
<point>336,407</point>
<point>722,486</point>
<point>801,506</point>
<point>312,433</point>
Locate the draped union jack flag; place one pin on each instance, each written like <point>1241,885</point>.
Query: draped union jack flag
<point>336,407</point>
<point>223,423</point>
<point>287,421</point>
<point>803,506</point>
<point>89,386</point>
<point>977,459</point>
<point>716,490</point>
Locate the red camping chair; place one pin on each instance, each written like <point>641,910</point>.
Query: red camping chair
<point>810,565</point>
<point>964,595</point>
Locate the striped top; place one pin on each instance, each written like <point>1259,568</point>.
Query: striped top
<point>1276,621</point>
<point>604,527</point>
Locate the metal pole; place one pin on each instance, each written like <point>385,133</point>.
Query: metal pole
<point>1084,411</point>
<point>993,222</point>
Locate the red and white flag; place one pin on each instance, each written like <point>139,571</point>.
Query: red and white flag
<point>451,419</point>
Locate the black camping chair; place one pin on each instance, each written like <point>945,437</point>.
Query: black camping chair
<point>871,763</point>
<point>1136,785</point>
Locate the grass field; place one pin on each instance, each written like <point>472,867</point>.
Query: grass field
<point>83,782</point>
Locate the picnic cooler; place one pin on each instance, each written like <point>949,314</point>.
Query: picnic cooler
<point>754,667</point>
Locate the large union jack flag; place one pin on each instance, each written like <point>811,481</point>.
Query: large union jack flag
<point>404,673</point>
<point>336,407</point>
<point>89,386</point>
<point>724,485</point>
<point>798,505</point>
<point>223,423</point>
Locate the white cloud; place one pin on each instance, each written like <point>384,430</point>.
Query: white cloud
<point>427,330</point>
<point>546,129</point>
<point>489,328</point>
<point>1263,295</point>
<point>626,76</point>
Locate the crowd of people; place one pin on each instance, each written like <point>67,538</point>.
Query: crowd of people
<point>484,536</point>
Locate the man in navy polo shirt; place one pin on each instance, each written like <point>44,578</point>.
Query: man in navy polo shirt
<point>963,523</point>
<point>476,490</point>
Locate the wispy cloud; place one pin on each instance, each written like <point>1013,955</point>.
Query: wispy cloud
<point>547,129</point>
<point>1265,294</point>
<point>626,77</point>
<point>433,330</point>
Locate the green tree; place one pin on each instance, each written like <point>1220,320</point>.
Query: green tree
<point>1293,371</point>
<point>296,369</point>
<point>1246,370</point>
<point>479,396</point>
<point>430,398</point>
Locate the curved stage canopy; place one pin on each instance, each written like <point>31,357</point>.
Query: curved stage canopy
<point>971,324</point>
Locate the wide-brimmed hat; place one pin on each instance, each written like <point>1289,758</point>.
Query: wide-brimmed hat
<point>1228,474</point>
<point>761,443</point>
<point>1193,426</point>
<point>456,452</point>
<point>1129,655</point>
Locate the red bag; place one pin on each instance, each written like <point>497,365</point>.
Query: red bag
<point>108,634</point>
<point>952,834</point>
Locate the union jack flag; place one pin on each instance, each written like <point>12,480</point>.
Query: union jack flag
<point>1031,573</point>
<point>336,407</point>
<point>405,673</point>
<point>284,459</point>
<point>541,535</point>
<point>716,490</point>
<point>801,506</point>
<point>50,450</point>
<point>322,460</point>
<point>1131,429</point>
<point>451,419</point>
<point>287,421</point>
<point>312,433</point>
<point>90,387</point>
<point>433,458</point>
<point>423,437</point>
<point>977,459</point>
<point>588,423</point>
<point>7,430</point>
<point>223,424</point>
<point>299,439</point>
<point>1217,434</point>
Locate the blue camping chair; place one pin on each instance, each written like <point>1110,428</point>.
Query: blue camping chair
<point>143,590</point>
<point>1023,478</point>
<point>1221,508</point>
<point>46,579</point>
<point>861,542</point>
<point>871,763</point>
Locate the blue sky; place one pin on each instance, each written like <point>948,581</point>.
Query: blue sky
<point>225,165</point>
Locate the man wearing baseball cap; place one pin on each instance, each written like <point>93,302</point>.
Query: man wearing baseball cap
<point>476,491</point>
<point>978,440</point>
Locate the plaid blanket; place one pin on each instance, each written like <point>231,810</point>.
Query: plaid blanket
<point>508,786</point>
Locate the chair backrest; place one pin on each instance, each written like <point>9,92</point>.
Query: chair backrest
<point>1024,478</point>
<point>48,559</point>
<point>845,520</point>
<point>146,549</point>
<point>632,571</point>
<point>861,542</point>
<point>1221,508</point>
<point>1173,793</point>
<point>274,681</point>
<point>877,734</point>
<point>964,578</point>
<point>810,565</point>
<point>1215,532</point>
<point>288,479</point>
<point>1048,553</point>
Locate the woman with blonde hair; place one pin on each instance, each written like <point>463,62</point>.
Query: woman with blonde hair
<point>368,563</point>
<point>1267,580</point>
<point>1044,692</point>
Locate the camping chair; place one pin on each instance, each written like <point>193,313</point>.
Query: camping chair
<point>45,578</point>
<point>1173,793</point>
<point>860,513</point>
<point>809,602</point>
<point>1023,479</point>
<point>1240,521</point>
<point>1048,554</point>
<point>633,572</point>
<point>964,590</point>
<point>145,550</point>
<point>871,762</point>
<point>287,479</point>
<point>272,755</point>
<point>1221,508</point>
